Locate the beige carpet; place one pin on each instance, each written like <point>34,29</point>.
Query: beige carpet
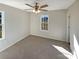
<point>34,47</point>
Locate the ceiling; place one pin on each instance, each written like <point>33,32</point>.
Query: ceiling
<point>52,4</point>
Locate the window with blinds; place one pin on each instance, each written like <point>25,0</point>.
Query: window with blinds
<point>44,22</point>
<point>2,25</point>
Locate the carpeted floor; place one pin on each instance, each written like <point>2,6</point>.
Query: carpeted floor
<point>34,47</point>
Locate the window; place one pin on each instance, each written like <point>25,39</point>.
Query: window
<point>44,22</point>
<point>2,25</point>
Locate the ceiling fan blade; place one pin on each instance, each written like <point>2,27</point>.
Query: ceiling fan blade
<point>43,6</point>
<point>43,9</point>
<point>29,5</point>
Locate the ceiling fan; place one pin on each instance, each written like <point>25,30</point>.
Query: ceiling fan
<point>37,8</point>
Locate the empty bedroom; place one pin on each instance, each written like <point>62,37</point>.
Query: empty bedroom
<point>39,29</point>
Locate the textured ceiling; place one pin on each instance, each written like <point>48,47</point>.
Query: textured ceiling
<point>52,4</point>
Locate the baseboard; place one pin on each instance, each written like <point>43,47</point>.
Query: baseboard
<point>48,37</point>
<point>20,38</point>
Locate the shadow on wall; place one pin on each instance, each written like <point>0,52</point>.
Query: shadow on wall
<point>76,48</point>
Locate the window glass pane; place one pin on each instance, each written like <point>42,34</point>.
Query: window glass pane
<point>0,31</point>
<point>44,22</point>
<point>0,18</point>
<point>2,25</point>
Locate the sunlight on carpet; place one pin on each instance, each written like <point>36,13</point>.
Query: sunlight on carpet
<point>63,51</point>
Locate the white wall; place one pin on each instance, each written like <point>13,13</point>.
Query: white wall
<point>17,25</point>
<point>74,28</point>
<point>57,25</point>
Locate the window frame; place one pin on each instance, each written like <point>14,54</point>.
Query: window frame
<point>3,24</point>
<point>41,23</point>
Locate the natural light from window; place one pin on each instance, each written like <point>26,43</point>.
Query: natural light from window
<point>63,51</point>
<point>76,47</point>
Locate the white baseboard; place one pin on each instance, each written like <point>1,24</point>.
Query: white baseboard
<point>50,37</point>
<point>19,39</point>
